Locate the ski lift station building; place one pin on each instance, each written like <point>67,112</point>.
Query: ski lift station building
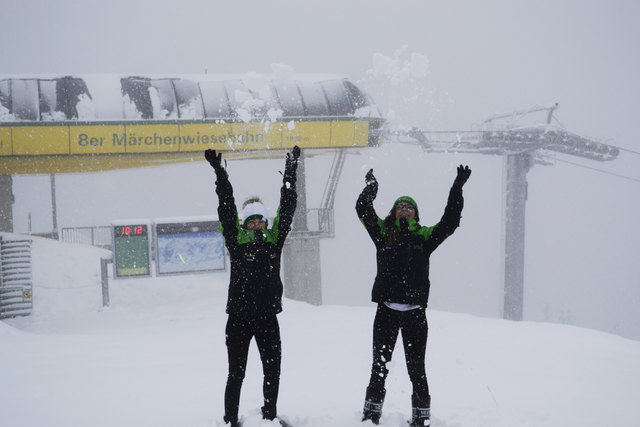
<point>64,124</point>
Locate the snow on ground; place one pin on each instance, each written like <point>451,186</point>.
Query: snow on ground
<point>156,357</point>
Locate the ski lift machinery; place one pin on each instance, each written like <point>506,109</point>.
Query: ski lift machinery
<point>520,146</point>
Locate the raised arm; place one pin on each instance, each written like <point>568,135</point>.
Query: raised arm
<point>288,195</point>
<point>227,212</point>
<point>453,211</point>
<point>364,206</point>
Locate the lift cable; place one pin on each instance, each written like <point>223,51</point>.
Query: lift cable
<point>593,169</point>
<point>625,149</point>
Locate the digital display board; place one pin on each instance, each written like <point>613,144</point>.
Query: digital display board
<point>189,247</point>
<point>131,250</point>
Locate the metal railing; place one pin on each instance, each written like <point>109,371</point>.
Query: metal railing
<point>320,223</point>
<point>95,236</point>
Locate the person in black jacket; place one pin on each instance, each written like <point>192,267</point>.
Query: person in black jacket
<point>255,288</point>
<point>401,289</point>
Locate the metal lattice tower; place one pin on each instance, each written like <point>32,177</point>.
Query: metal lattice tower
<point>329,195</point>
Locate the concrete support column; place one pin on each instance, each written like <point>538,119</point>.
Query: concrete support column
<point>302,278</point>
<point>301,252</point>
<point>300,216</point>
<point>517,166</point>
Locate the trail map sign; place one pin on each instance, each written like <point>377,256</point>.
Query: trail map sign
<point>189,247</point>
<point>131,250</point>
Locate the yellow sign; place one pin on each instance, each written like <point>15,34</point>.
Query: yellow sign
<point>199,137</point>
<point>342,132</point>
<point>255,136</point>
<point>307,134</point>
<point>150,138</point>
<point>58,147</point>
<point>360,133</point>
<point>5,141</point>
<point>96,139</point>
<point>167,138</point>
<point>40,140</point>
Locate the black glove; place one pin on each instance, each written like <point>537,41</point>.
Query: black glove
<point>371,190</point>
<point>215,160</point>
<point>295,152</point>
<point>370,179</point>
<point>463,175</point>
<point>291,165</point>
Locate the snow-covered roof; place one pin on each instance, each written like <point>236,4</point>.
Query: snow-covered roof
<point>104,97</point>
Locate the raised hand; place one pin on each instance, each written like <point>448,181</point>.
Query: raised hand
<point>291,165</point>
<point>371,190</point>
<point>214,158</point>
<point>463,175</point>
<point>370,179</point>
<point>295,152</point>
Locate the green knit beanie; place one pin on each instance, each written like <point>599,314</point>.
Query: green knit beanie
<point>407,199</point>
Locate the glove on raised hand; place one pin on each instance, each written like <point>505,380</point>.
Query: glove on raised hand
<point>291,165</point>
<point>215,160</point>
<point>463,175</point>
<point>371,190</point>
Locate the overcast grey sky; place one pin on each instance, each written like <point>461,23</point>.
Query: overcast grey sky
<point>485,57</point>
<point>488,56</point>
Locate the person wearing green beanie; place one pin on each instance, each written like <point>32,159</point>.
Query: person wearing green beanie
<point>401,289</point>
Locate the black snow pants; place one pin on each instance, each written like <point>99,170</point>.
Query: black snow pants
<point>387,324</point>
<point>239,331</point>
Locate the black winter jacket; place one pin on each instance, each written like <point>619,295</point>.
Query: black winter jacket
<point>402,253</point>
<point>255,288</point>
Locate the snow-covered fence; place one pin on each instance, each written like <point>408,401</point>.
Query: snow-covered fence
<point>15,278</point>
<point>95,236</point>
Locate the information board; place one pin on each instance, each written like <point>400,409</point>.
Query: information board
<point>189,247</point>
<point>131,250</point>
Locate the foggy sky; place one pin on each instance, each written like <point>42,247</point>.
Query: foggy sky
<point>485,57</point>
<point>490,56</point>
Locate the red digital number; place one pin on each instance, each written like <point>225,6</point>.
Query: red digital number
<point>135,230</point>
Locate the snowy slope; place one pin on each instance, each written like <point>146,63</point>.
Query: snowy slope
<point>156,357</point>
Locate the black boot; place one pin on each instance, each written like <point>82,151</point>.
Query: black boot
<point>420,417</point>
<point>232,422</point>
<point>421,409</point>
<point>373,407</point>
<point>372,411</point>
<point>269,412</point>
